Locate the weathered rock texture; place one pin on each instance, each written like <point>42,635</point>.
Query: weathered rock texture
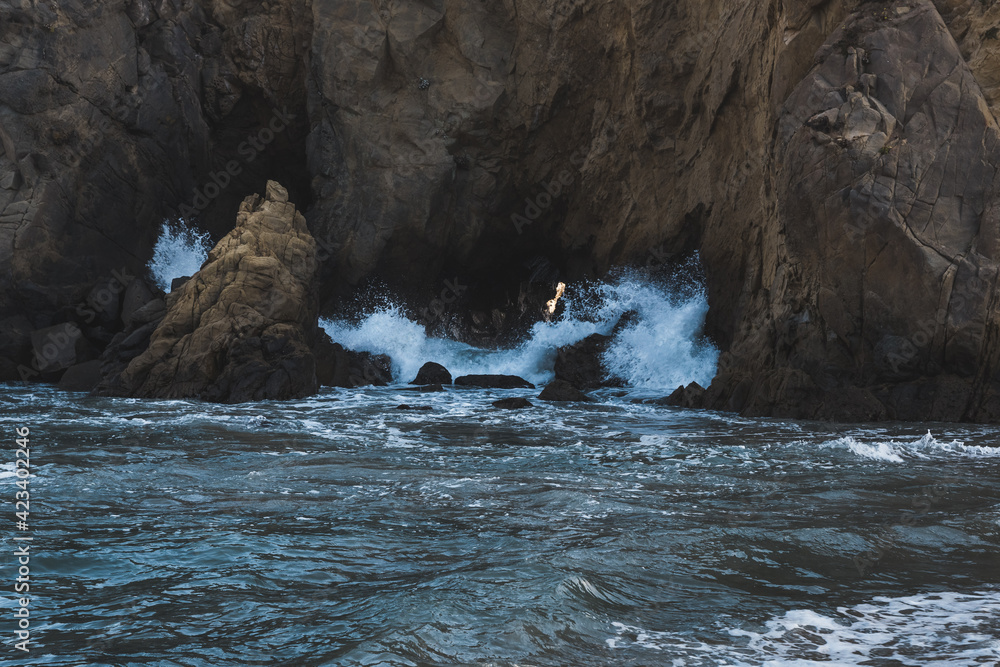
<point>872,291</point>
<point>832,161</point>
<point>242,327</point>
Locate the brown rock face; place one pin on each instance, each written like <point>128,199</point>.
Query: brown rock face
<point>874,284</point>
<point>241,328</point>
<point>831,160</point>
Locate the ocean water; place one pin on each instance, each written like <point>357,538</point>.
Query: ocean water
<point>345,529</point>
<point>340,530</point>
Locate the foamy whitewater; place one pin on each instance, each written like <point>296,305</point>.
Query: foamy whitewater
<point>898,451</point>
<point>343,530</point>
<point>661,350</point>
<point>180,251</point>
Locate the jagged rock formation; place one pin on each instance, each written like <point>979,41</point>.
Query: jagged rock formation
<point>242,327</point>
<point>832,161</point>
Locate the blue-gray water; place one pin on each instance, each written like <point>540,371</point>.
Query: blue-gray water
<point>339,530</point>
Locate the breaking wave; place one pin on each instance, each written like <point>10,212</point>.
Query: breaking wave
<point>660,347</point>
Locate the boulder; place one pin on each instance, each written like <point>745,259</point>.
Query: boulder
<point>104,301</point>
<point>512,403</point>
<point>432,373</point>
<point>493,382</point>
<point>178,283</point>
<point>563,391</point>
<point>580,364</point>
<point>242,328</point>
<point>691,396</point>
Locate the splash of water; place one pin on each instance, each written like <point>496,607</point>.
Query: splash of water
<point>179,251</point>
<point>660,348</point>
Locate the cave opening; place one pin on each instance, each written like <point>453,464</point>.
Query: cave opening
<point>257,141</point>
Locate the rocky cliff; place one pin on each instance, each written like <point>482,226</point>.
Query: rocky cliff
<point>832,161</point>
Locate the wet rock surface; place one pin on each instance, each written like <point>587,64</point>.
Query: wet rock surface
<point>563,391</point>
<point>512,404</point>
<point>690,396</point>
<point>340,367</point>
<point>580,364</point>
<point>432,373</point>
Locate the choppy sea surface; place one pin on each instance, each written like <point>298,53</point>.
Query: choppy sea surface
<point>340,530</point>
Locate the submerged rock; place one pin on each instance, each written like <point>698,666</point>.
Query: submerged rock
<point>241,328</point>
<point>512,404</point>
<point>432,373</point>
<point>493,382</point>
<point>563,391</point>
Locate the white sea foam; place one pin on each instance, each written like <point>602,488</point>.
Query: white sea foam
<point>898,451</point>
<point>945,629</point>
<point>661,349</point>
<point>179,251</point>
<point>942,629</point>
